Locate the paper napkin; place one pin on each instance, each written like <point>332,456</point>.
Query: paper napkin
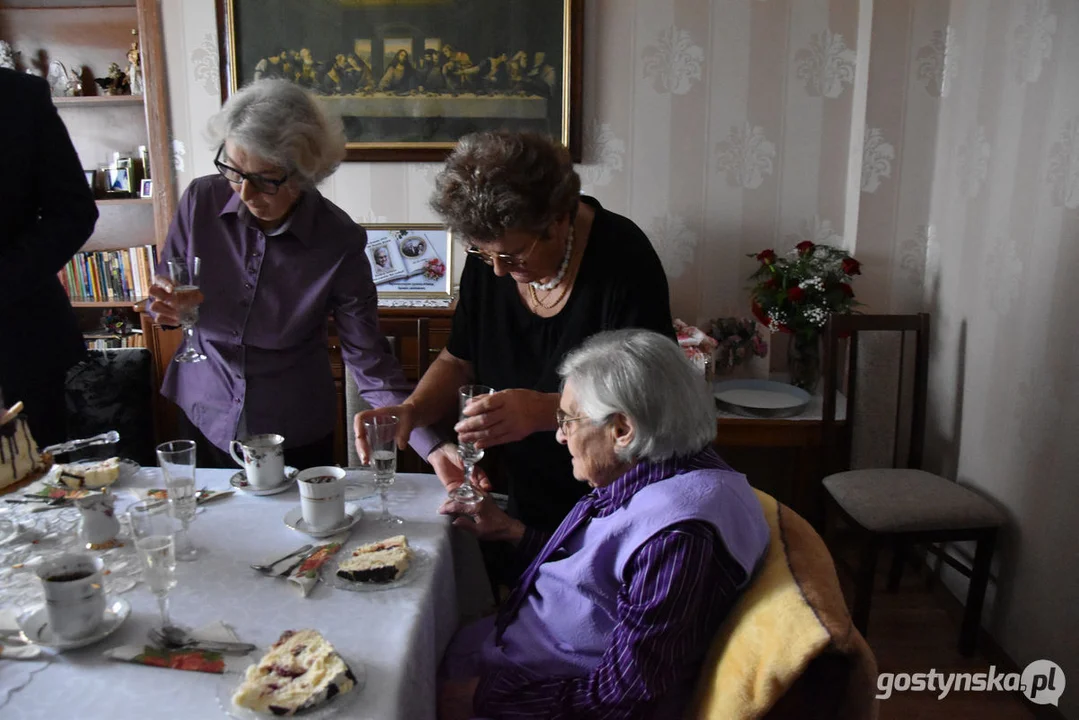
<point>14,650</point>
<point>187,659</point>
<point>306,574</point>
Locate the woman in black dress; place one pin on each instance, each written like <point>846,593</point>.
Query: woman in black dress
<point>547,268</point>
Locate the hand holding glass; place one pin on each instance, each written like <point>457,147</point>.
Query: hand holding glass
<point>381,433</point>
<point>153,529</point>
<point>177,461</point>
<point>185,292</point>
<point>467,493</point>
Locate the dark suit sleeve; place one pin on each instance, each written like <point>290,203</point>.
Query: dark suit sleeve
<point>66,211</point>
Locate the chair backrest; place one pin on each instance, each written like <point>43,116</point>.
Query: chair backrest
<point>885,380</point>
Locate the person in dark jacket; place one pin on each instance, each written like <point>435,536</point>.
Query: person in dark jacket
<point>47,214</point>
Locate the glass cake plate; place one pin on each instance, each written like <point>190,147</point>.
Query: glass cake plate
<point>339,705</point>
<point>420,562</point>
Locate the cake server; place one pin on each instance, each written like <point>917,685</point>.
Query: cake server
<point>109,438</point>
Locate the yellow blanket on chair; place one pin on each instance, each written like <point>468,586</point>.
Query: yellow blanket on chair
<point>789,648</point>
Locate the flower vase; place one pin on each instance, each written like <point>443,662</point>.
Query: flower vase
<point>804,361</point>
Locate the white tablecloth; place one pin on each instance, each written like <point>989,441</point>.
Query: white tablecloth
<point>399,635</point>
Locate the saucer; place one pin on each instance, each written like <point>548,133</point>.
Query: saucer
<point>35,625</point>
<point>239,481</point>
<point>294,519</point>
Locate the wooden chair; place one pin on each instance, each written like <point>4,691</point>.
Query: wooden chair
<point>899,505</point>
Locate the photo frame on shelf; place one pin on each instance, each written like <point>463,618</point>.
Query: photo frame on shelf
<point>410,78</point>
<point>118,181</point>
<point>91,180</point>
<point>411,261</point>
<point>146,188</point>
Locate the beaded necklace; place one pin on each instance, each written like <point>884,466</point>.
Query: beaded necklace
<point>561,270</point>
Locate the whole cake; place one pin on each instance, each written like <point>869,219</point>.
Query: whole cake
<point>19,455</point>
<point>300,671</point>
<point>379,562</point>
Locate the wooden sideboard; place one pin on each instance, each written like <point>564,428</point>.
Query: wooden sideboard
<point>394,322</point>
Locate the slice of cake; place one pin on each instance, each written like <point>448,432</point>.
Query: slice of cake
<point>90,475</point>
<point>379,562</point>
<point>300,671</point>
<point>20,458</point>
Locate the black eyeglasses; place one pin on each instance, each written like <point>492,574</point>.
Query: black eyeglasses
<point>563,420</point>
<point>509,260</point>
<point>264,185</point>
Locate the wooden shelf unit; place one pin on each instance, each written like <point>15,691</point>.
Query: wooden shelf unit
<point>80,302</point>
<point>125,201</point>
<point>92,101</point>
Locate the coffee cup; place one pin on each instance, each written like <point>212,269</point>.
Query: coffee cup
<point>74,594</point>
<point>263,459</point>
<point>322,496</point>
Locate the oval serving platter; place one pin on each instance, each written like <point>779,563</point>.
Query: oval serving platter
<point>760,398</point>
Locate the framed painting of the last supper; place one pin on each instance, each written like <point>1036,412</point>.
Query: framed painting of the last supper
<point>410,77</point>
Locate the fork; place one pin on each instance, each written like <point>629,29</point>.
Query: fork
<point>269,566</point>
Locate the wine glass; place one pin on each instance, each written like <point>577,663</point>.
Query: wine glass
<point>466,493</point>
<point>177,461</point>
<point>153,529</point>
<point>185,290</point>
<point>381,433</point>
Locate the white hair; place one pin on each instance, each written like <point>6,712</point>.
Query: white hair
<point>646,377</point>
<point>281,123</point>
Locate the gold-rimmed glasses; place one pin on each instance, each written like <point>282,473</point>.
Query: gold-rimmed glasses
<point>507,259</point>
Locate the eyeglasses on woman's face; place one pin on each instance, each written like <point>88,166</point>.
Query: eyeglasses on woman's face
<point>260,183</point>
<point>513,260</point>
<point>563,419</point>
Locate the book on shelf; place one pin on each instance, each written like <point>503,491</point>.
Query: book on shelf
<point>106,275</point>
<point>105,340</point>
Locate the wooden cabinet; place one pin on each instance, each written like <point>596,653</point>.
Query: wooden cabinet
<point>397,323</point>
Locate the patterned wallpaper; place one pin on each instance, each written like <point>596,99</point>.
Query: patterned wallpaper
<point>939,140</point>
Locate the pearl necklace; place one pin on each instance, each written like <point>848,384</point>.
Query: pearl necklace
<point>562,269</point>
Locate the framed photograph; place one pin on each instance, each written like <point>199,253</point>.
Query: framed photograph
<point>118,181</point>
<point>146,188</point>
<point>411,261</point>
<point>410,78</point>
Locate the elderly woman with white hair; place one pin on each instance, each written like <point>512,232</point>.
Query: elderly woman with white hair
<point>277,259</point>
<point>616,610</point>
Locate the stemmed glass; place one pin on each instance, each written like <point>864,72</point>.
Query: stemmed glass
<point>381,433</point>
<point>466,493</point>
<point>185,289</point>
<point>177,461</point>
<point>153,530</point>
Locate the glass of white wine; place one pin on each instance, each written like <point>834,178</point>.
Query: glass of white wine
<point>381,431</point>
<point>184,274</point>
<point>466,493</point>
<point>177,461</point>
<point>154,532</point>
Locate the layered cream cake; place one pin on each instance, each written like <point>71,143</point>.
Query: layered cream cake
<point>300,671</point>
<point>19,455</point>
<point>379,562</point>
<point>90,475</point>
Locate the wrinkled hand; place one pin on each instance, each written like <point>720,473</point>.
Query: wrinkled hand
<point>163,306</point>
<point>451,470</point>
<point>485,520</point>
<point>502,417</point>
<point>404,428</point>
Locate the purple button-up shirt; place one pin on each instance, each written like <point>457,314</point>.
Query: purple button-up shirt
<point>263,324</point>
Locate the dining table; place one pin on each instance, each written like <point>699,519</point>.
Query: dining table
<point>394,637</point>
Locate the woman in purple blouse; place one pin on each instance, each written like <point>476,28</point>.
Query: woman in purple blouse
<point>278,259</point>
<point>615,611</point>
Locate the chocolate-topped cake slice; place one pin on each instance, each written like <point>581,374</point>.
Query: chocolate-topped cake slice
<point>379,562</point>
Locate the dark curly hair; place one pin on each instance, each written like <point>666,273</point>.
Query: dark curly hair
<point>499,180</point>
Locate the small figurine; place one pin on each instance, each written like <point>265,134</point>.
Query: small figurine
<point>116,83</point>
<point>134,66</point>
<point>57,78</point>
<point>8,56</point>
<point>74,83</point>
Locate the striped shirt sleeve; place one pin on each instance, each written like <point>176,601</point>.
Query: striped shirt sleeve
<point>679,586</point>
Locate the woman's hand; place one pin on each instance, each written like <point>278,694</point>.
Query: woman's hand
<point>485,520</point>
<point>165,306</point>
<point>451,470</point>
<point>404,415</point>
<point>506,416</point>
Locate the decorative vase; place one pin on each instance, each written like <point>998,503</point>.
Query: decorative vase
<point>804,361</point>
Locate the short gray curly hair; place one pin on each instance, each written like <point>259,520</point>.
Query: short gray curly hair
<point>282,123</point>
<point>646,377</point>
<point>501,180</point>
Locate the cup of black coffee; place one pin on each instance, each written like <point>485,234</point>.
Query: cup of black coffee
<point>74,594</point>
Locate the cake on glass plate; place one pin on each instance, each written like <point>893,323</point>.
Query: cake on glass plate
<point>90,475</point>
<point>379,562</point>
<point>301,671</point>
<point>20,459</point>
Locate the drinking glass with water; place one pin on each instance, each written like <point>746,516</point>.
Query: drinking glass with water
<point>184,274</point>
<point>466,493</point>
<point>177,461</point>
<point>381,433</point>
<point>154,532</point>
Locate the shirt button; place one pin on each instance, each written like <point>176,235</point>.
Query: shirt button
<point>247,285</point>
<point>237,400</point>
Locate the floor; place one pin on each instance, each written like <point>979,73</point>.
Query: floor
<point>913,630</point>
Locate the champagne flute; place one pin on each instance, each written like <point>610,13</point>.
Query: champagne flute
<point>466,493</point>
<point>177,461</point>
<point>153,530</point>
<point>381,433</point>
<point>185,289</point>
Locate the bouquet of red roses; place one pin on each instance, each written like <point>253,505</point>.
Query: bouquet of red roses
<point>795,293</point>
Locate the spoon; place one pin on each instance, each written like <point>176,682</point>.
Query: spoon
<point>176,638</point>
<point>269,566</point>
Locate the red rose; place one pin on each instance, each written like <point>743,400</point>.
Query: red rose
<point>805,247</point>
<point>766,257</point>
<point>796,294</point>
<point>846,289</point>
<point>852,266</point>
<point>772,283</point>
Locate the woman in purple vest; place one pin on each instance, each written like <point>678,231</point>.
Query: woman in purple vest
<point>614,612</point>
